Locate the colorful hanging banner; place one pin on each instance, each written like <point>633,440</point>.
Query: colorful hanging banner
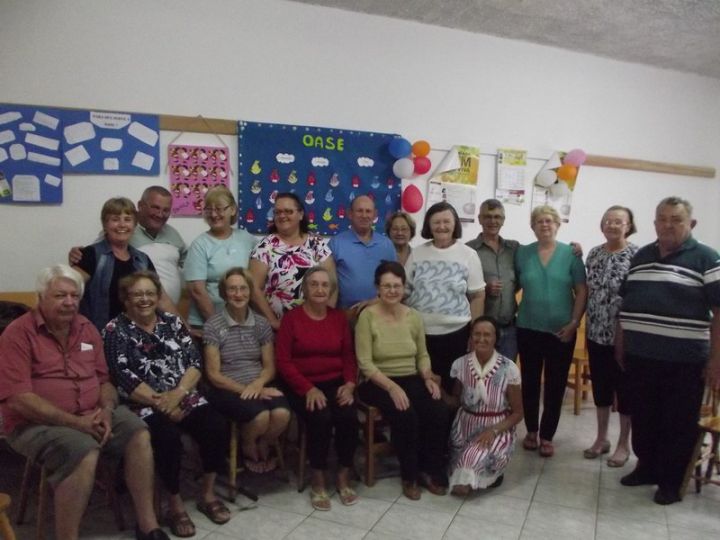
<point>193,170</point>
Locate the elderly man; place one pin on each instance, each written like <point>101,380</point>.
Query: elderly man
<point>667,336</point>
<point>160,241</point>
<point>357,253</point>
<point>498,262</point>
<point>60,410</point>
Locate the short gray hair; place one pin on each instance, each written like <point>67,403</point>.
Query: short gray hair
<point>675,201</point>
<point>58,271</point>
<point>314,270</point>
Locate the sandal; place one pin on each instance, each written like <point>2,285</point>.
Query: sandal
<point>591,453</point>
<point>254,466</point>
<point>347,496</point>
<point>530,442</point>
<point>618,462</point>
<point>546,448</point>
<point>181,525</point>
<point>215,511</point>
<point>320,500</point>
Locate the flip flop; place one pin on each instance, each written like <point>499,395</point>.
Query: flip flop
<point>215,511</point>
<point>347,496</point>
<point>253,465</point>
<point>179,522</point>
<point>530,442</point>
<point>320,500</point>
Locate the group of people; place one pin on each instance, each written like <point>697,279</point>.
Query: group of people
<point>295,322</point>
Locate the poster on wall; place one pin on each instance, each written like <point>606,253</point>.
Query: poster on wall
<point>455,181</point>
<point>510,187</point>
<point>30,155</point>
<point>552,188</point>
<point>327,168</point>
<point>193,170</point>
<point>110,143</point>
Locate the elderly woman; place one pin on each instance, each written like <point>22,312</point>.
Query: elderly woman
<point>554,292</point>
<point>391,352</point>
<point>280,260</point>
<point>240,365</point>
<point>400,228</point>
<point>154,363</point>
<point>487,388</point>
<point>315,358</point>
<point>445,279</point>
<point>607,265</point>
<point>213,252</point>
<point>104,263</point>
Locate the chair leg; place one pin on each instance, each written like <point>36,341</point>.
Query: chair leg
<point>24,491</point>
<point>578,385</point>
<point>42,506</point>
<point>301,458</point>
<point>691,466</point>
<point>369,446</point>
<point>232,466</point>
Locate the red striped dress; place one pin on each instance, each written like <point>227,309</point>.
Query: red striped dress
<point>483,403</point>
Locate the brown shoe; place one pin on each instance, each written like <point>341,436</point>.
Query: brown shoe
<point>411,490</point>
<point>426,481</point>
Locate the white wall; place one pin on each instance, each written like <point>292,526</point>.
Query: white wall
<point>284,62</point>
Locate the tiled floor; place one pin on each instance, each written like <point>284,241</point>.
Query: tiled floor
<point>563,497</point>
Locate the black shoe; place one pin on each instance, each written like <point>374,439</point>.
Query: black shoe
<point>666,496</point>
<point>498,482</point>
<point>637,478</point>
<point>155,534</point>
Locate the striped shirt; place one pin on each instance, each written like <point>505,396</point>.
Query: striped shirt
<point>667,302</point>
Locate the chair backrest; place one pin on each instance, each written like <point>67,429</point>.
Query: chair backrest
<point>711,403</point>
<point>9,311</point>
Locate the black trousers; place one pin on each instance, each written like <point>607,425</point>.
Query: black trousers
<point>444,349</point>
<point>607,379</point>
<point>320,425</point>
<point>419,434</point>
<point>207,427</point>
<point>543,352</point>
<point>665,407</point>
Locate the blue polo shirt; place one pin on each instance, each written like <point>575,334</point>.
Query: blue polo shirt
<point>356,262</point>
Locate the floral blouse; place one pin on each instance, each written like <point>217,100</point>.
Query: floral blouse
<point>286,268</point>
<point>159,359</point>
<point>606,271</point>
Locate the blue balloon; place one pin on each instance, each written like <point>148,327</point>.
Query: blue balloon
<point>399,147</point>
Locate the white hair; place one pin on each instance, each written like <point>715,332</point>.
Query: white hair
<point>58,271</point>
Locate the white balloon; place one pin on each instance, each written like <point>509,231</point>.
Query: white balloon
<point>560,189</point>
<point>404,168</point>
<point>546,178</point>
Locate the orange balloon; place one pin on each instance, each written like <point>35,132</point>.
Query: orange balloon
<point>421,148</point>
<point>567,172</point>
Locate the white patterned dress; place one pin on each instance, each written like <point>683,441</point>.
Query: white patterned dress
<point>483,403</point>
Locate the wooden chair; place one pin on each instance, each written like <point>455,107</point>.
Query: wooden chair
<point>705,454</point>
<point>6,530</point>
<point>579,375</point>
<point>371,419</point>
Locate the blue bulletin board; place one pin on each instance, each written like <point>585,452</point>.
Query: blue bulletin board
<point>110,143</point>
<point>30,155</point>
<point>327,168</point>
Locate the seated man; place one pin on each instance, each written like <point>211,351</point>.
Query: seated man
<point>60,410</point>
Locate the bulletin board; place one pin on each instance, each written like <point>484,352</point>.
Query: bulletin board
<point>30,155</point>
<point>327,168</point>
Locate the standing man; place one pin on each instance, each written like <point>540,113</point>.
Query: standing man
<point>60,409</point>
<point>357,253</point>
<point>670,337</point>
<point>160,241</point>
<point>498,262</point>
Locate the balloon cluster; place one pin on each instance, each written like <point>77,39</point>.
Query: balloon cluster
<point>412,159</point>
<point>560,180</point>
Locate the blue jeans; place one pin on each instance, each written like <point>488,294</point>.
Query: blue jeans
<point>507,342</point>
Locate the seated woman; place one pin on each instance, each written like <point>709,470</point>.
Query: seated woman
<point>315,358</point>
<point>391,352</point>
<point>154,364</point>
<point>239,364</point>
<point>487,389</point>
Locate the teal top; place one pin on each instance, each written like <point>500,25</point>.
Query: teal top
<point>547,291</point>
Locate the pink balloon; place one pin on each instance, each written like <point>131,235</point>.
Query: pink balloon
<point>575,157</point>
<point>412,199</point>
<point>422,164</point>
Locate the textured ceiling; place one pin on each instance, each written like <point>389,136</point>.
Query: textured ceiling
<point>682,35</point>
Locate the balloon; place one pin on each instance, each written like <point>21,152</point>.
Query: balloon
<point>412,199</point>
<point>545,178</point>
<point>422,165</point>
<point>404,168</point>
<point>399,147</point>
<point>421,148</point>
<point>559,189</point>
<point>575,157</point>
<point>567,172</point>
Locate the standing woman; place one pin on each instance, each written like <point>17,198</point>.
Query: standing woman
<point>390,346</point>
<point>315,357</point>
<point>552,279</point>
<point>213,252</point>
<point>279,261</point>
<point>445,279</point>
<point>607,265</point>
<point>400,228</point>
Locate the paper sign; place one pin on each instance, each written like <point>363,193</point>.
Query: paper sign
<point>26,188</point>
<point>77,155</point>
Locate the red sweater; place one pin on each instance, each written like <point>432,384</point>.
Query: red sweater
<point>309,351</point>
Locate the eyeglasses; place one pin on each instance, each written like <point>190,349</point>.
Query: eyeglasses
<point>616,222</point>
<point>137,295</point>
<point>211,211</point>
<point>237,289</point>
<point>391,287</point>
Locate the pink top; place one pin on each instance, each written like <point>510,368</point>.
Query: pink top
<point>32,360</point>
<point>309,351</point>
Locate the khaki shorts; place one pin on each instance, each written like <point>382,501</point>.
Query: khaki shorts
<point>60,449</point>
